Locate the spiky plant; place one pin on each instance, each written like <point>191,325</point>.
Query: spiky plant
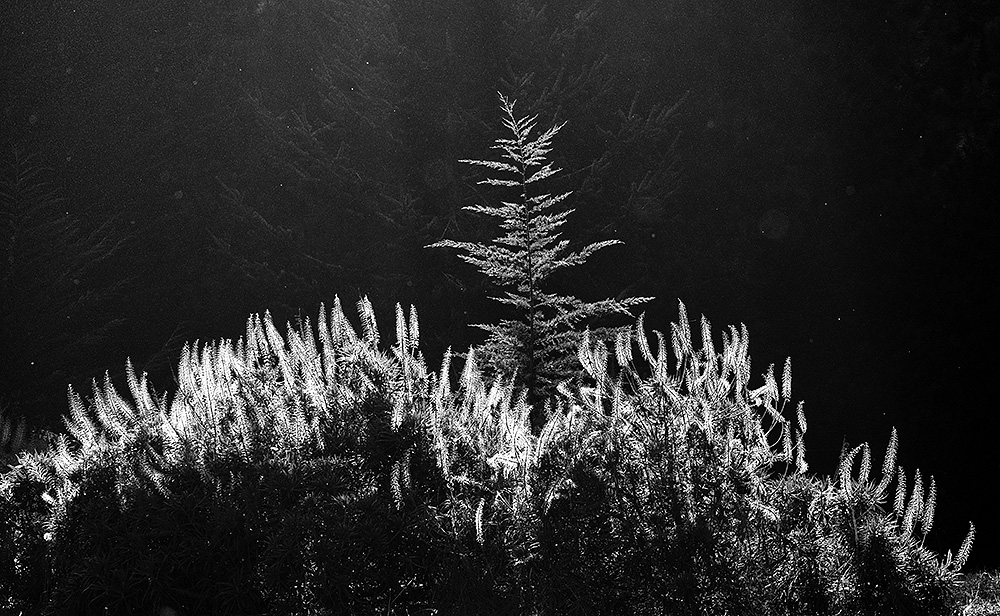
<point>263,438</point>
<point>686,492</point>
<point>327,474</point>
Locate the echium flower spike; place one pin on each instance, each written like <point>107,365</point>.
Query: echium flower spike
<point>707,347</point>
<point>888,464</point>
<point>640,337</point>
<point>927,521</point>
<point>786,380</point>
<point>900,494</point>
<point>847,468</point>
<point>414,327</point>
<point>963,552</point>
<point>866,465</point>
<point>800,450</point>
<point>479,520</point>
<point>680,334</point>
<point>786,443</point>
<point>915,508</point>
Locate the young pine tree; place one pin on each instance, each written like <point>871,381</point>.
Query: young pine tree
<point>538,348</point>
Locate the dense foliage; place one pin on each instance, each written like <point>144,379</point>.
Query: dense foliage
<point>250,154</point>
<point>316,472</point>
<point>266,143</point>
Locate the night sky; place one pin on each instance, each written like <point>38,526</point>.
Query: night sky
<point>825,174</point>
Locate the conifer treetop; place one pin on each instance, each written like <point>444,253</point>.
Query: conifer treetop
<point>541,343</point>
<point>531,241</point>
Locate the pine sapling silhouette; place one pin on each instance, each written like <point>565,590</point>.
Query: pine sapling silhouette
<point>538,349</point>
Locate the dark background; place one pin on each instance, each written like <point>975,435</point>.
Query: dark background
<point>825,173</point>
